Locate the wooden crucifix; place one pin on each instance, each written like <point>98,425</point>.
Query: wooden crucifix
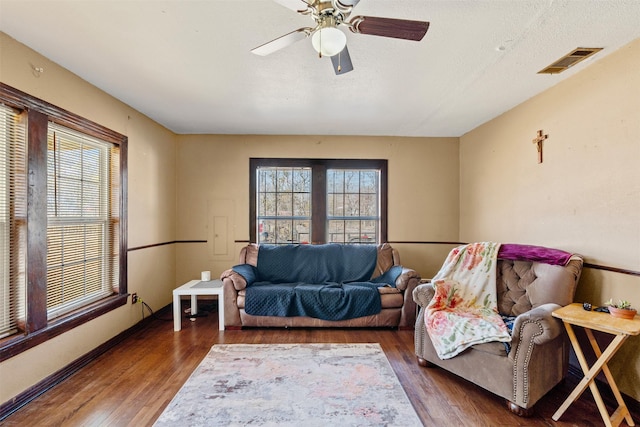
<point>538,140</point>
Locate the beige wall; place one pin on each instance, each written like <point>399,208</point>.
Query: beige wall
<point>584,197</point>
<point>151,210</point>
<point>213,182</point>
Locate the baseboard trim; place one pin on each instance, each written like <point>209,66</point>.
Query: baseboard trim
<point>58,377</point>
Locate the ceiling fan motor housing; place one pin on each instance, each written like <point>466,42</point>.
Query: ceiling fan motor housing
<point>328,40</point>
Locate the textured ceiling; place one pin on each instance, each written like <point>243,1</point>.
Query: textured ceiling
<point>187,64</point>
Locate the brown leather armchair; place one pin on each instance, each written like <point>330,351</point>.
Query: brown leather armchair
<point>539,355</point>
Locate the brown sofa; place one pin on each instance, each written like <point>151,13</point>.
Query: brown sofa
<point>539,355</point>
<point>398,307</point>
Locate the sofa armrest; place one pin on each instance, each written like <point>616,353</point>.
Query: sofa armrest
<point>535,327</point>
<point>231,311</point>
<point>410,280</point>
<point>239,282</point>
<point>423,294</point>
<point>406,277</point>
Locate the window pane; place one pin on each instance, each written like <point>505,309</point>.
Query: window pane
<point>369,182</point>
<point>284,181</point>
<point>369,204</point>
<point>302,232</point>
<point>334,205</point>
<point>268,180</point>
<point>266,231</point>
<point>75,266</point>
<point>267,204</point>
<point>302,180</point>
<point>352,231</point>
<point>302,204</point>
<point>369,231</point>
<point>352,205</point>
<point>284,231</point>
<point>336,231</point>
<point>284,204</point>
<point>352,181</point>
<point>335,181</point>
<point>91,199</point>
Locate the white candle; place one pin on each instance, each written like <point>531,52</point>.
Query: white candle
<point>205,276</point>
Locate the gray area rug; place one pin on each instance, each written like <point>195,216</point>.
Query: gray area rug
<point>292,385</point>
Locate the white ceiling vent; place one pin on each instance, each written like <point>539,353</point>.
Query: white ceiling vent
<point>570,60</point>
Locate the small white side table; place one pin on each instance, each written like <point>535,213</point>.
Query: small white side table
<point>195,288</point>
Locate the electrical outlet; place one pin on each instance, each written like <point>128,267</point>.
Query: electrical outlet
<point>134,298</point>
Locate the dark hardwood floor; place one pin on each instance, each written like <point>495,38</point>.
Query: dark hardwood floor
<point>131,384</point>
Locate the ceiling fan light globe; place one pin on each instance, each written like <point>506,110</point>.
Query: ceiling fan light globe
<point>329,41</point>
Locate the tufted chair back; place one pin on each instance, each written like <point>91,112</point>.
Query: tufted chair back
<point>523,285</point>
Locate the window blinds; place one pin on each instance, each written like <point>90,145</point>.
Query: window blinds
<point>80,231</point>
<point>13,208</point>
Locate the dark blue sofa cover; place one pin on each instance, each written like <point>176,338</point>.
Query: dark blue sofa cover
<point>329,282</point>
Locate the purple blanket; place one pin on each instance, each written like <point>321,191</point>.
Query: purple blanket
<point>533,253</point>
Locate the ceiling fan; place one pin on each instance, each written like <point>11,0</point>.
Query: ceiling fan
<point>330,41</point>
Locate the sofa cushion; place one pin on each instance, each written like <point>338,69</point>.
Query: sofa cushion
<point>328,301</point>
<point>385,259</point>
<point>389,297</point>
<point>316,264</point>
<point>249,254</point>
<point>497,348</point>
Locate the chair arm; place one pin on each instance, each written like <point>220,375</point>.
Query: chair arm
<point>535,327</point>
<point>423,294</point>
<point>231,311</point>
<point>239,282</point>
<point>406,277</point>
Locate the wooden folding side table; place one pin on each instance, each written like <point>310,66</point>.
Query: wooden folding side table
<point>574,315</point>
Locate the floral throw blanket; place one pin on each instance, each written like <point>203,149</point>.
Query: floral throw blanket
<point>464,310</point>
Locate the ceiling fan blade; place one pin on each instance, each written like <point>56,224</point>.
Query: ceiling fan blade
<point>297,5</point>
<point>389,27</point>
<point>351,3</point>
<point>282,42</point>
<point>342,62</point>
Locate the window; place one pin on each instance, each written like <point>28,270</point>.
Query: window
<point>80,267</point>
<point>318,200</point>
<point>284,204</point>
<point>62,223</point>
<point>353,205</point>
<point>13,213</point>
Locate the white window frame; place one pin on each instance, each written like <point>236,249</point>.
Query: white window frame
<point>59,221</point>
